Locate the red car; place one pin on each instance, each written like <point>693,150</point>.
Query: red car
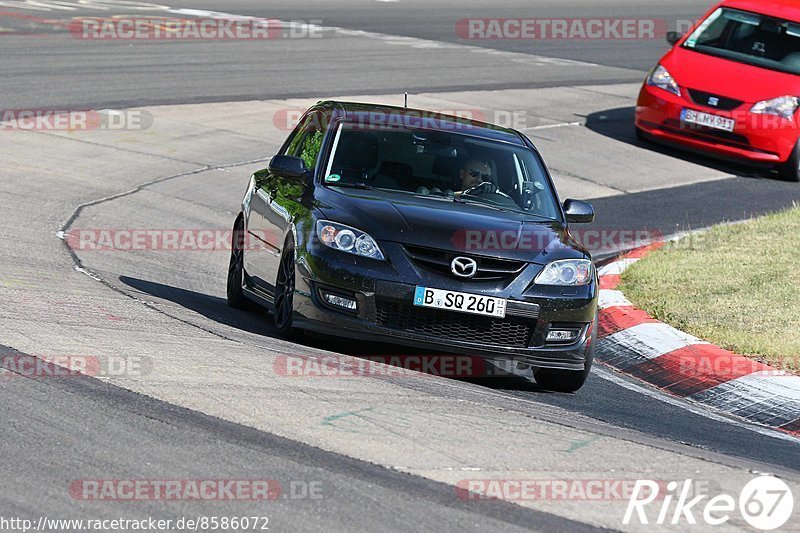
<point>730,86</point>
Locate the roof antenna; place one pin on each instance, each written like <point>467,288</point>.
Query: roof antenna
<point>406,101</point>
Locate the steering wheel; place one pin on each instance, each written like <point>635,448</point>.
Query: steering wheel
<point>486,187</point>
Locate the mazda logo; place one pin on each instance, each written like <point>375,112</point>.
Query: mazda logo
<point>464,267</point>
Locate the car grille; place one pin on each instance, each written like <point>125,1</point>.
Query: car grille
<point>724,104</point>
<point>489,268</point>
<point>508,332</point>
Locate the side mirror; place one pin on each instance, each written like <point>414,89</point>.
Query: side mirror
<point>578,212</point>
<point>673,37</point>
<point>288,166</point>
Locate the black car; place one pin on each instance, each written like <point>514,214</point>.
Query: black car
<point>427,230</point>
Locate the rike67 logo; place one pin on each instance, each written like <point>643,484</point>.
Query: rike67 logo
<point>765,503</point>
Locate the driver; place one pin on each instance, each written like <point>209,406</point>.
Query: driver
<point>473,173</point>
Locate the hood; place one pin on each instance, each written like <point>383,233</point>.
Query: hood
<point>446,225</point>
<point>717,75</point>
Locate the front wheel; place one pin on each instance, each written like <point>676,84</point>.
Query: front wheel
<point>283,309</point>
<point>236,297</point>
<point>560,380</point>
<point>790,171</point>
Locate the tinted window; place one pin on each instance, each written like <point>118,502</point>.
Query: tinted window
<point>306,142</point>
<point>749,38</point>
<point>442,164</point>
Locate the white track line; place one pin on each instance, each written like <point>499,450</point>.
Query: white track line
<point>413,42</point>
<point>551,126</point>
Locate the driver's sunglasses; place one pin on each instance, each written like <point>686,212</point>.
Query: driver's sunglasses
<point>476,173</point>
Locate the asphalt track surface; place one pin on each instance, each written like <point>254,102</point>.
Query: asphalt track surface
<point>416,49</point>
<point>61,430</point>
<point>98,423</point>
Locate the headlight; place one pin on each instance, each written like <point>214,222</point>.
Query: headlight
<point>568,272</point>
<point>347,239</point>
<point>783,106</point>
<point>661,78</point>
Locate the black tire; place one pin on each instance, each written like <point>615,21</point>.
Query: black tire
<point>236,297</point>
<point>560,380</point>
<point>283,308</point>
<point>790,171</point>
<point>640,136</point>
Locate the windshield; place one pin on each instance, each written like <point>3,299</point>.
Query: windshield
<point>749,38</point>
<point>441,164</point>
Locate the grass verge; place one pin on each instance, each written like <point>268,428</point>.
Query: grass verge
<point>737,286</point>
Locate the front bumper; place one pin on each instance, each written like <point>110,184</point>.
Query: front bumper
<point>759,139</point>
<point>384,291</point>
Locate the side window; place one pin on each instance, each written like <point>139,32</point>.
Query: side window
<point>307,141</point>
<point>310,147</point>
<point>297,135</point>
<point>714,33</point>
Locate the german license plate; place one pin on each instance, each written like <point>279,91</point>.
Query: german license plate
<point>708,120</point>
<point>460,301</point>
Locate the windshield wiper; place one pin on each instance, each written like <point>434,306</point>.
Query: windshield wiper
<point>462,200</point>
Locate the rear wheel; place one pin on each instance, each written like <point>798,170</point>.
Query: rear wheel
<point>790,171</point>
<point>284,293</point>
<point>236,297</point>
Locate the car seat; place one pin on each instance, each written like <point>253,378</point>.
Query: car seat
<point>393,175</point>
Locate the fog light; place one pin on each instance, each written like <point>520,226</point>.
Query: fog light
<point>562,335</point>
<point>340,301</point>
